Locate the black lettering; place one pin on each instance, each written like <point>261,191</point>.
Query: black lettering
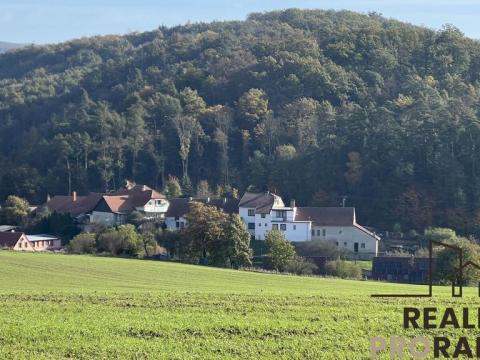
<point>428,318</point>
<point>449,318</point>
<point>462,348</point>
<point>466,324</point>
<point>410,317</point>
<point>440,346</point>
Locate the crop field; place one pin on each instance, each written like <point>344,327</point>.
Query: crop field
<point>83,307</point>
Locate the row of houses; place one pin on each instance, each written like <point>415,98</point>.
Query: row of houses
<point>261,213</point>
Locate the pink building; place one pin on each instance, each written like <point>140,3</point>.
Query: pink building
<point>21,242</point>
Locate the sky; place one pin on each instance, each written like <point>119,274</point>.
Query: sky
<point>50,21</point>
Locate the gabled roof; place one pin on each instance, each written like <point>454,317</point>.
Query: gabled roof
<point>179,207</point>
<point>261,202</point>
<point>9,239</point>
<point>9,228</point>
<point>141,194</point>
<point>121,201</point>
<point>326,216</point>
<point>119,204</point>
<point>65,204</point>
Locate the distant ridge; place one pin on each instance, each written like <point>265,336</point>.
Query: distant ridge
<point>5,46</point>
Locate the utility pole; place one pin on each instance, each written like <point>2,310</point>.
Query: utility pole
<point>344,199</point>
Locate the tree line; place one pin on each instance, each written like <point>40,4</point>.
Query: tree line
<point>315,105</point>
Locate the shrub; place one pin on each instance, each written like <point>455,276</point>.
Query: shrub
<point>123,240</point>
<point>280,251</point>
<point>300,266</point>
<point>343,269</point>
<point>82,244</point>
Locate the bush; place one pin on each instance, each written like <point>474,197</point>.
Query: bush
<point>300,266</point>
<point>280,251</point>
<point>123,240</point>
<point>343,269</point>
<point>82,244</point>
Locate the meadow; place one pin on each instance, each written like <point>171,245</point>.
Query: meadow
<point>56,306</point>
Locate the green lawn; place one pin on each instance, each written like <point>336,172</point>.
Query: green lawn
<point>63,307</point>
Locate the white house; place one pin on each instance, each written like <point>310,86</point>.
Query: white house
<point>263,212</point>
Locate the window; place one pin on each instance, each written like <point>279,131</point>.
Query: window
<point>259,224</point>
<point>251,212</point>
<point>251,226</point>
<point>340,231</point>
<point>283,227</point>
<point>274,226</point>
<point>313,232</point>
<point>265,224</point>
<point>318,232</point>
<point>294,227</point>
<point>324,232</point>
<point>336,243</point>
<point>280,213</point>
<point>263,216</point>
<point>182,224</point>
<point>177,224</point>
<point>345,244</point>
<point>362,245</point>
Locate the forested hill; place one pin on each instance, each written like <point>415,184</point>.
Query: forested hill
<point>312,104</point>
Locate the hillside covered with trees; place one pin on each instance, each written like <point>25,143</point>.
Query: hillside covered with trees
<point>314,105</point>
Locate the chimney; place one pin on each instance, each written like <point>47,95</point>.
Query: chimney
<point>74,196</point>
<point>224,200</point>
<point>292,203</point>
<point>208,200</point>
<point>190,198</point>
<point>48,198</point>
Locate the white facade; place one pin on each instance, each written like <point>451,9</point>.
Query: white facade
<point>155,208</point>
<point>352,238</point>
<point>282,219</point>
<point>307,225</point>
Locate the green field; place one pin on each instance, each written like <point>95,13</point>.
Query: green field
<point>80,307</point>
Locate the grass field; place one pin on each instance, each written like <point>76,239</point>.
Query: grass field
<point>80,307</point>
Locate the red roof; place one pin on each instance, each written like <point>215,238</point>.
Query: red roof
<point>121,201</point>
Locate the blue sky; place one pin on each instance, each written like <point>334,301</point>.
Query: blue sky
<point>47,21</point>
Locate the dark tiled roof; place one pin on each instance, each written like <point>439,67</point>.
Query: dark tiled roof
<point>261,202</point>
<point>65,204</point>
<point>179,207</point>
<point>9,239</point>
<point>327,216</point>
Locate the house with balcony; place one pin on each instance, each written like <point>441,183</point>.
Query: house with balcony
<point>263,212</point>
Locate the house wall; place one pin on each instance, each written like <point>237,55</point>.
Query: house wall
<point>171,223</point>
<point>294,230</point>
<point>346,237</point>
<point>107,218</point>
<point>243,212</point>
<point>44,245</point>
<point>23,244</point>
<point>155,208</point>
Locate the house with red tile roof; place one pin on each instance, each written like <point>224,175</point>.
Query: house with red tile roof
<point>111,209</point>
